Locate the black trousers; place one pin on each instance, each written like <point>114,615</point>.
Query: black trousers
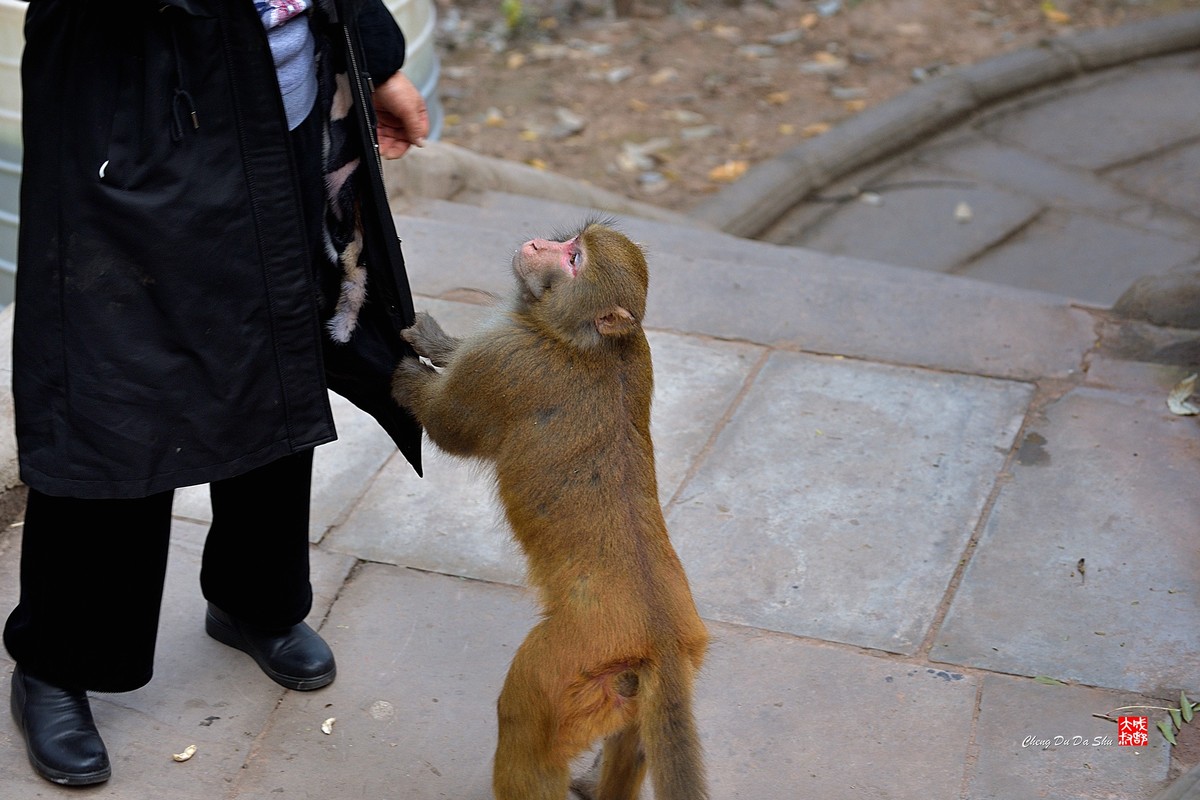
<point>92,573</point>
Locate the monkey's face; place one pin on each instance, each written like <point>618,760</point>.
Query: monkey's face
<point>540,264</point>
<point>588,288</point>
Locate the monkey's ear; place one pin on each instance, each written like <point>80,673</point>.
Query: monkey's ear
<point>616,321</point>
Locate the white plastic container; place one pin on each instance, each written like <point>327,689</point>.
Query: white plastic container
<point>418,20</point>
<point>12,41</point>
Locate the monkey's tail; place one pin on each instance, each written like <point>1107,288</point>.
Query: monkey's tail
<point>669,733</point>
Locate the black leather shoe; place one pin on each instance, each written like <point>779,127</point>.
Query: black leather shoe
<point>295,657</point>
<point>60,734</point>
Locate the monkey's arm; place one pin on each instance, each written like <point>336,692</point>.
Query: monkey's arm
<point>429,340</point>
<point>448,410</point>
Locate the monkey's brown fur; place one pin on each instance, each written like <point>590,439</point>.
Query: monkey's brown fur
<point>556,394</point>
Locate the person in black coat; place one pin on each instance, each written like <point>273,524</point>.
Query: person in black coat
<point>205,249</point>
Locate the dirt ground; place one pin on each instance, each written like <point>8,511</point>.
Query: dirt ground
<point>675,101</point>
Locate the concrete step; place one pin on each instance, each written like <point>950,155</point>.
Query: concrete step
<point>721,286</point>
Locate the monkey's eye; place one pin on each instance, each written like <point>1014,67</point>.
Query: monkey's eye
<point>576,259</point>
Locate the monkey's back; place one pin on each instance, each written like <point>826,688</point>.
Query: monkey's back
<point>575,470</point>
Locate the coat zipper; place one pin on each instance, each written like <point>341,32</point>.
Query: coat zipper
<point>362,99</point>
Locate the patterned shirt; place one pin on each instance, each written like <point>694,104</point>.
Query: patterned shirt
<point>276,12</point>
<point>292,49</point>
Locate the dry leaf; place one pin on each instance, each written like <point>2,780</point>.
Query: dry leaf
<point>664,75</point>
<point>786,129</point>
<point>516,60</point>
<point>855,106</point>
<point>187,753</point>
<point>638,105</point>
<point>809,21</point>
<point>537,163</point>
<point>1178,400</point>
<point>815,129</point>
<point>727,33</point>
<point>778,98</point>
<point>528,136</point>
<point>327,725</point>
<point>729,171</point>
<point>1053,15</point>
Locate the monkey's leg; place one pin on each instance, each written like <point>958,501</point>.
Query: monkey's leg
<point>619,770</point>
<point>529,764</point>
<point>429,340</point>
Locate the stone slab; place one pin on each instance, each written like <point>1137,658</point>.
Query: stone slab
<point>426,656</point>
<point>1104,124</point>
<point>1081,255</point>
<point>203,693</point>
<point>796,297</point>
<point>1163,177</point>
<point>1026,173</point>
<point>1110,478</point>
<point>449,520</point>
<point>1035,740</point>
<point>1135,376</point>
<point>925,200</point>
<point>839,499</point>
<point>893,314</point>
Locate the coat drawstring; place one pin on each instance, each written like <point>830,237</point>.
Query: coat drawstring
<point>182,103</point>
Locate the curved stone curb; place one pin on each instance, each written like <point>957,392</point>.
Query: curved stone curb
<point>768,190</point>
<point>444,171</point>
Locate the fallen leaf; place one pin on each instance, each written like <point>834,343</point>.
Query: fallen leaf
<point>1048,681</point>
<point>1178,400</point>
<point>778,98</point>
<point>528,136</point>
<point>664,75</point>
<point>855,106</point>
<point>638,105</point>
<point>727,33</point>
<point>1053,15</point>
<point>515,60</point>
<point>809,21</point>
<point>786,129</point>
<point>187,753</point>
<point>815,129</point>
<point>729,171</point>
<point>537,163</point>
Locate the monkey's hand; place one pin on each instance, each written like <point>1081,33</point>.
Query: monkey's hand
<point>407,380</point>
<point>429,340</point>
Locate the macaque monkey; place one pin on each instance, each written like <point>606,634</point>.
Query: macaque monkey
<point>556,395</point>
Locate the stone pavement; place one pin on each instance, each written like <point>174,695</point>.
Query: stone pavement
<point>1065,189</point>
<point>936,524</point>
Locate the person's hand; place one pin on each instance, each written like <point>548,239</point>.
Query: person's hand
<point>403,120</point>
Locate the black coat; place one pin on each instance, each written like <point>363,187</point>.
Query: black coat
<point>168,317</point>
